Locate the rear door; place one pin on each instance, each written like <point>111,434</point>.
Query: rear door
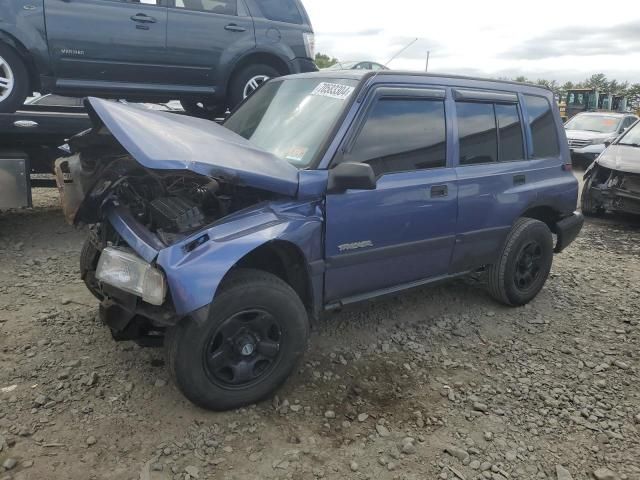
<point>204,35</point>
<point>403,231</point>
<point>107,40</point>
<point>498,177</point>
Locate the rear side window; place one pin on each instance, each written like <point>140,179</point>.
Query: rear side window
<point>281,11</point>
<point>221,7</point>
<point>477,133</point>
<point>510,131</point>
<point>543,127</point>
<point>402,134</point>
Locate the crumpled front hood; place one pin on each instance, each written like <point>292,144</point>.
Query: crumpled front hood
<point>166,141</point>
<point>622,158</point>
<point>587,135</point>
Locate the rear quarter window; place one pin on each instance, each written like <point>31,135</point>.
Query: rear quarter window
<point>281,11</point>
<point>544,134</point>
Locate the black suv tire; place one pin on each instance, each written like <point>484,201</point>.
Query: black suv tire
<point>524,265</point>
<point>255,334</point>
<point>12,68</point>
<point>247,80</point>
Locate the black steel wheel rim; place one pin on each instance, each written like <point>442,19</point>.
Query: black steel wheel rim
<point>244,349</point>
<point>528,265</point>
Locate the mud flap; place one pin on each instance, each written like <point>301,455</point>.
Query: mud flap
<point>567,230</point>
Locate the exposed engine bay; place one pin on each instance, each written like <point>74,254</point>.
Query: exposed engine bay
<point>172,204</point>
<point>614,190</point>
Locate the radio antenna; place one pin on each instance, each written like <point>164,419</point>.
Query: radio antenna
<point>401,51</point>
<point>388,62</point>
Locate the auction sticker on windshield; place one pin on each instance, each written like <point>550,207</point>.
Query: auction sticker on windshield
<point>333,90</point>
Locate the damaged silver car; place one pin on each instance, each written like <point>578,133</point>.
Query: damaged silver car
<point>612,182</point>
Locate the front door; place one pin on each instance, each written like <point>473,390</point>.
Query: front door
<point>107,40</point>
<point>203,35</point>
<point>403,231</point>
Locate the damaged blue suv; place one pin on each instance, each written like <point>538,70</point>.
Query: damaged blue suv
<point>321,190</point>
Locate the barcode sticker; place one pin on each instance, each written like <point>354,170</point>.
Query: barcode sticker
<point>333,90</point>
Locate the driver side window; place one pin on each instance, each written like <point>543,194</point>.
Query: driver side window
<point>402,134</point>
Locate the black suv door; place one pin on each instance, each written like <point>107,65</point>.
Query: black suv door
<point>106,40</point>
<point>203,36</point>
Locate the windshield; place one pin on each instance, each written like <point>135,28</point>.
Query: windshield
<point>292,118</point>
<point>593,123</point>
<point>632,136</point>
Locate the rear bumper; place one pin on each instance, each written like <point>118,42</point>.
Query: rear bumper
<point>567,230</point>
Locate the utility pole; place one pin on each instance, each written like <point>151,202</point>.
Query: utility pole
<point>428,55</point>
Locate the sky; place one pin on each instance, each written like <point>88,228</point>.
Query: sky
<point>556,40</point>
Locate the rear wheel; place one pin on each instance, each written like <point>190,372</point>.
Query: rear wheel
<point>14,80</point>
<point>248,80</point>
<point>255,334</point>
<point>525,263</point>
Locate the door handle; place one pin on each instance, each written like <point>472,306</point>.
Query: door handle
<point>519,180</point>
<point>143,18</point>
<point>439,191</point>
<point>232,27</point>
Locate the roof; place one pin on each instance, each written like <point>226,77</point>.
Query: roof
<point>365,74</point>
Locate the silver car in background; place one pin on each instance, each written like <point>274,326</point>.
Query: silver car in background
<point>589,133</point>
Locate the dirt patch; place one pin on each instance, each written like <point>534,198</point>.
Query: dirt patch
<point>384,389</point>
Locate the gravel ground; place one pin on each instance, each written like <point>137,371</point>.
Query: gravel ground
<point>438,383</point>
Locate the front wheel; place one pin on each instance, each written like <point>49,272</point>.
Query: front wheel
<point>255,334</point>
<point>524,265</point>
<point>14,80</point>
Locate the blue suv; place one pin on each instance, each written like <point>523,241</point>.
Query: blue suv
<point>321,190</point>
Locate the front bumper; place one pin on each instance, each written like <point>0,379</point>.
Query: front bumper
<point>616,199</point>
<point>567,230</point>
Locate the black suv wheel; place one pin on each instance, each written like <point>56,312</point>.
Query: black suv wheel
<point>524,265</point>
<point>14,80</point>
<point>248,80</point>
<point>255,334</point>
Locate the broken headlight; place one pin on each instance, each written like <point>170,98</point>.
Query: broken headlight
<point>128,272</point>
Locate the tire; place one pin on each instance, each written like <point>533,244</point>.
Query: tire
<point>89,256</point>
<point>15,89</point>
<point>508,280</point>
<point>246,297</point>
<point>241,80</point>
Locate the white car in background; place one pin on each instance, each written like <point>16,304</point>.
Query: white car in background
<point>589,133</point>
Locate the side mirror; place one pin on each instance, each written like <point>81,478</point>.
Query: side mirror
<point>351,176</point>
<point>607,143</point>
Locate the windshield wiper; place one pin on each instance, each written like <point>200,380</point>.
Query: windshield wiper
<point>637,145</point>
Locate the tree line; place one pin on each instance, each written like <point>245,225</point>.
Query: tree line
<point>598,81</point>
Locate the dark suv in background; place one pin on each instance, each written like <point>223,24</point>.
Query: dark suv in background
<point>210,54</point>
